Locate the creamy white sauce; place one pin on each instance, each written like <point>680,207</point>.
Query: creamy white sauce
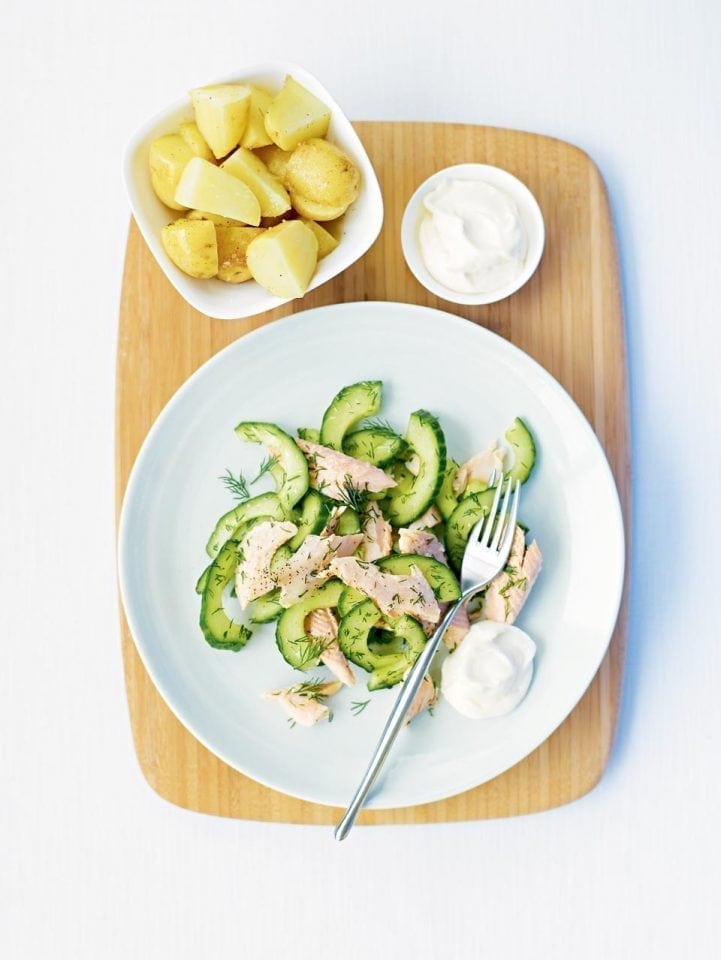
<point>490,672</point>
<point>471,238</point>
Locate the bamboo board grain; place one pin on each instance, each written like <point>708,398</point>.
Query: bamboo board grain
<point>568,317</point>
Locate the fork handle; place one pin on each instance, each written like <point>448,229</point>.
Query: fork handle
<point>395,721</point>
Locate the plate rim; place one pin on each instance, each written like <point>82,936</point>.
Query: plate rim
<point>617,521</point>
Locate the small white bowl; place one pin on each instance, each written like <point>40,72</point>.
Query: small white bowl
<point>528,210</point>
<point>227,301</point>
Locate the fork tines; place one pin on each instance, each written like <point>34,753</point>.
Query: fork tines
<point>499,524</point>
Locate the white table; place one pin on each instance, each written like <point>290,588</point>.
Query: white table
<point>93,864</point>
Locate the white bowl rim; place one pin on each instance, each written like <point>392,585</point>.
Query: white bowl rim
<point>494,175</point>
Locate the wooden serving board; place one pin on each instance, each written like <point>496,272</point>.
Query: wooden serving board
<point>569,317</point>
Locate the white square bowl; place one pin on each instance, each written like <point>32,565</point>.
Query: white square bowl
<point>227,301</point>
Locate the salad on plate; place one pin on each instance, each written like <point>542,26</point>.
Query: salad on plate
<point>355,555</point>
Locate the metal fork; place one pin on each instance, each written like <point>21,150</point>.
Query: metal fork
<point>485,556</point>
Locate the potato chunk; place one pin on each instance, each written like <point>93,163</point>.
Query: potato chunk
<point>283,258</point>
<point>296,115</point>
<point>315,211</point>
<point>232,252</point>
<point>207,187</point>
<point>214,218</point>
<point>195,140</point>
<point>168,158</point>
<point>255,134</point>
<point>221,112</point>
<point>275,159</point>
<point>321,175</point>
<point>326,241</point>
<point>192,246</point>
<point>272,195</point>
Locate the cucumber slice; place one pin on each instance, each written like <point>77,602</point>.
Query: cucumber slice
<point>524,449</point>
<point>447,501</point>
<point>441,578</point>
<point>389,673</point>
<point>376,445</point>
<point>349,599</point>
<point>314,514</point>
<point>310,434</point>
<point>218,628</point>
<point>266,608</point>
<point>386,668</point>
<point>468,512</point>
<point>405,503</point>
<point>290,470</point>
<point>282,555</point>
<point>349,406</point>
<point>348,522</point>
<point>475,487</point>
<point>410,634</point>
<point>403,478</point>
<point>203,579</point>
<point>265,505</point>
<point>354,632</point>
<point>296,648</point>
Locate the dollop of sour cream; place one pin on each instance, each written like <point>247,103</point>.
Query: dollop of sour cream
<point>490,672</point>
<point>472,239</point>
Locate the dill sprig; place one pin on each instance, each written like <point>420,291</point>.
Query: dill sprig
<point>236,485</point>
<point>265,466</point>
<point>358,706</point>
<point>378,423</point>
<point>352,496</point>
<point>309,652</point>
<point>311,689</point>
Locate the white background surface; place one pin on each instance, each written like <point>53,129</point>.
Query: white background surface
<point>93,864</point>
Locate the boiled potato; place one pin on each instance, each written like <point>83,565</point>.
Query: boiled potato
<point>321,176</point>
<point>255,133</point>
<point>275,159</point>
<point>232,252</point>
<point>214,218</point>
<point>168,158</point>
<point>326,241</point>
<point>315,211</point>
<point>257,181</point>
<point>283,259</point>
<point>192,246</point>
<point>296,115</point>
<point>221,112</point>
<point>195,140</point>
<point>204,186</point>
<point>272,195</point>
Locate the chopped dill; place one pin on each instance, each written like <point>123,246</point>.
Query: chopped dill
<point>358,706</point>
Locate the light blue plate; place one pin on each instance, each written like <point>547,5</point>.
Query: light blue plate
<point>287,372</point>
